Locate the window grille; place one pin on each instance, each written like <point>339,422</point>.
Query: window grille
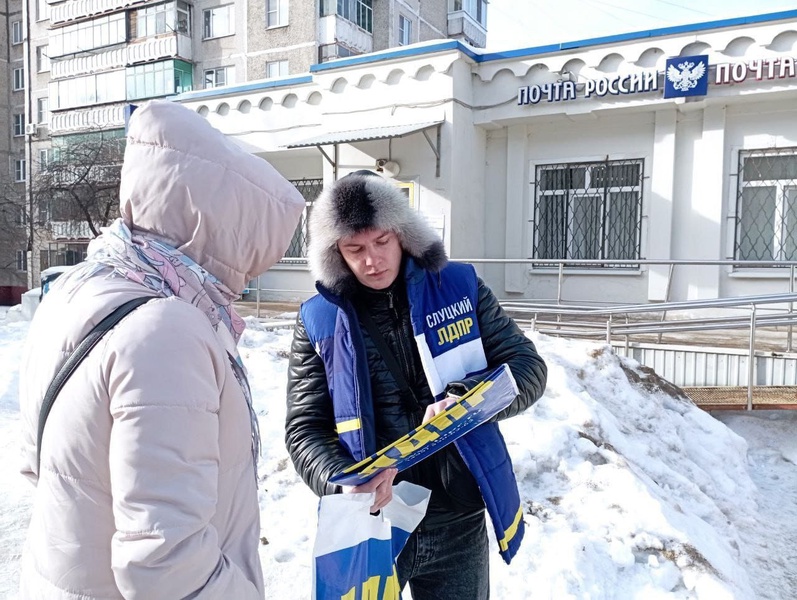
<point>309,189</point>
<point>766,205</point>
<point>588,211</point>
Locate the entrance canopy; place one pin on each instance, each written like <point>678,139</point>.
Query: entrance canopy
<point>384,132</point>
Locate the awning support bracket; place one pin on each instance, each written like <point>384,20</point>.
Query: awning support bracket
<point>435,148</point>
<point>434,145</point>
<point>331,161</point>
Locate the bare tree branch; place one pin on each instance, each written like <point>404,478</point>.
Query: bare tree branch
<point>81,182</point>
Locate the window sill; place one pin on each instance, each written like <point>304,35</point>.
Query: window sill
<point>769,273</point>
<point>603,271</point>
<point>217,37</point>
<point>280,26</point>
<point>293,265</point>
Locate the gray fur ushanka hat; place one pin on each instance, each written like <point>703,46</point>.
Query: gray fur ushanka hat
<point>360,201</point>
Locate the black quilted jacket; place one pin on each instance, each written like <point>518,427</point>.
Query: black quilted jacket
<point>310,425</point>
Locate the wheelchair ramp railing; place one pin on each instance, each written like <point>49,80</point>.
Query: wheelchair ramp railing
<point>724,353</point>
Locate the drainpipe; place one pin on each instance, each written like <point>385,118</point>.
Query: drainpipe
<point>27,63</point>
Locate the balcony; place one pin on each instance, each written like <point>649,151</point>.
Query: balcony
<point>70,230</point>
<point>151,49</point>
<point>462,26</point>
<point>333,29</point>
<point>79,9</point>
<point>101,117</point>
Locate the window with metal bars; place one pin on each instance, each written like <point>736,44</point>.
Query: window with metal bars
<point>588,211</point>
<point>766,205</point>
<point>309,189</point>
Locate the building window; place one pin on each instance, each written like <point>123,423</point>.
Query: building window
<point>276,68</point>
<point>16,32</point>
<point>309,189</point>
<point>42,59</point>
<point>218,77</point>
<point>477,9</point>
<point>151,20</point>
<point>164,78</point>
<point>20,170</point>
<point>44,158</point>
<point>218,22</point>
<point>21,216</point>
<point>42,10</point>
<point>160,19</point>
<point>101,88</point>
<point>405,31</point>
<point>276,13</point>
<point>85,36</point>
<point>18,79</point>
<point>59,254</point>
<point>588,210</point>
<point>22,260</point>
<point>42,114</point>
<point>19,124</point>
<point>183,24</point>
<point>766,205</point>
<point>359,12</point>
<point>333,51</point>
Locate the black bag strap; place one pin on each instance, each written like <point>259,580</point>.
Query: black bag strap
<point>387,355</point>
<point>77,356</point>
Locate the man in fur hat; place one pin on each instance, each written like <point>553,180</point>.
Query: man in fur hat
<point>394,336</point>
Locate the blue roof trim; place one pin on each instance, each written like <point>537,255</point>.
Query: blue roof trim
<point>393,54</point>
<point>638,35</point>
<point>481,57</point>
<point>246,87</point>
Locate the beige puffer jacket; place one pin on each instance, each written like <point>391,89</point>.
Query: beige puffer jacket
<point>147,484</point>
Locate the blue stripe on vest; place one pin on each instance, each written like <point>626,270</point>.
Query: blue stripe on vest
<point>479,450</point>
<point>328,328</point>
<point>436,301</point>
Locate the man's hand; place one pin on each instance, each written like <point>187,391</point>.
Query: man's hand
<point>381,485</point>
<point>435,409</point>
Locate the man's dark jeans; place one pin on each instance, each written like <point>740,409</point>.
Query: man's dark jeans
<point>448,563</point>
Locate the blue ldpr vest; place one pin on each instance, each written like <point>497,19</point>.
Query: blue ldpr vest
<point>446,329</point>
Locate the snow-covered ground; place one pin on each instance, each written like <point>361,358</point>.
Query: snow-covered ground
<point>630,491</point>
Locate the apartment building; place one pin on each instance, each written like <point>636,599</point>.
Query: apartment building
<point>75,66</point>
<point>13,222</point>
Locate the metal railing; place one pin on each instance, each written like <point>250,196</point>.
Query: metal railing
<point>548,265</point>
<point>618,321</point>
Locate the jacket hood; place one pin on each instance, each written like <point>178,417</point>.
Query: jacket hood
<point>359,201</point>
<point>184,181</point>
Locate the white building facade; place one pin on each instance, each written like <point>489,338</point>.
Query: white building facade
<point>672,144</point>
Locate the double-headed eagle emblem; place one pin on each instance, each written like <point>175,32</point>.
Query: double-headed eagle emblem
<point>686,76</point>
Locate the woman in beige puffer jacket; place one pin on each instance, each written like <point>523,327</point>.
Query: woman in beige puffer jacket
<point>147,484</point>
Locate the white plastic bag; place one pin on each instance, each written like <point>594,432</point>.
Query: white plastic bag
<point>355,552</point>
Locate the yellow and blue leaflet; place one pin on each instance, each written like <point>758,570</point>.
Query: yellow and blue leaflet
<point>478,406</point>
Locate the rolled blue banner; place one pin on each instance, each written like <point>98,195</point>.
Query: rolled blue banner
<point>478,406</point>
